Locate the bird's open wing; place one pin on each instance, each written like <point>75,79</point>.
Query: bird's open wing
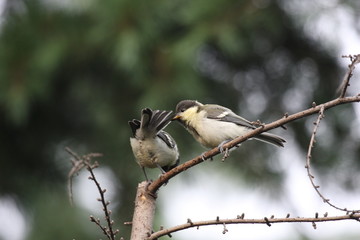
<point>154,121</point>
<point>224,114</point>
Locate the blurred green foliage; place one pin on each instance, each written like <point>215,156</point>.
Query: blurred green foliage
<point>73,75</point>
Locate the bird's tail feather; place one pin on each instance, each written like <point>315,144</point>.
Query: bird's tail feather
<point>271,138</point>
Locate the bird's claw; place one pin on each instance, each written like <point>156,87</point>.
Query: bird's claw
<point>221,146</point>
<point>203,157</point>
<point>224,150</point>
<point>226,154</point>
<point>165,183</point>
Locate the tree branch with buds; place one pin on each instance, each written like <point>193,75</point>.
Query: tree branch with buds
<point>78,164</point>
<point>241,220</point>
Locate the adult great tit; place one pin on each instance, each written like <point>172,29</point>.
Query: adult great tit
<point>153,147</point>
<point>213,125</point>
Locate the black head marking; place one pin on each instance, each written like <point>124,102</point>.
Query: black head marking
<point>186,104</point>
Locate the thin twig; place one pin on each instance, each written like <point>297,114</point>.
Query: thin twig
<point>267,221</point>
<point>109,231</point>
<point>308,164</point>
<point>355,59</point>
<point>98,223</point>
<point>78,164</point>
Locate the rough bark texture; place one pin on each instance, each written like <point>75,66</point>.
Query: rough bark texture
<point>144,212</point>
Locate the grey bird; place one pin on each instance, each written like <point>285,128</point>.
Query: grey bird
<point>213,125</point>
<point>153,147</point>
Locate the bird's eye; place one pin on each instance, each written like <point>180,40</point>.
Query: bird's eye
<point>182,110</point>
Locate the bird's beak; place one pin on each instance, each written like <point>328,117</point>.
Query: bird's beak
<point>176,117</point>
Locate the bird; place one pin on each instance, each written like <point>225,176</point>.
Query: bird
<point>213,125</point>
<point>151,146</point>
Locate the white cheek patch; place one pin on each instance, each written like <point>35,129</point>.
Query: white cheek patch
<point>222,114</point>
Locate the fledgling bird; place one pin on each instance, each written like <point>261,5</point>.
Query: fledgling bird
<point>213,125</point>
<point>153,147</point>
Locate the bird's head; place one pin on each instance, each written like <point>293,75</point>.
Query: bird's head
<point>187,110</point>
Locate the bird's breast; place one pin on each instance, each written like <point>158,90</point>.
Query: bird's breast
<point>211,132</point>
<point>150,152</point>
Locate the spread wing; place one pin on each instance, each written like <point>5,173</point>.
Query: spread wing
<point>154,121</point>
<point>224,114</point>
<point>151,122</point>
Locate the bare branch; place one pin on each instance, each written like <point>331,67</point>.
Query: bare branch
<point>355,59</point>
<point>308,165</point>
<point>110,233</point>
<point>154,186</point>
<point>265,220</point>
<point>78,164</point>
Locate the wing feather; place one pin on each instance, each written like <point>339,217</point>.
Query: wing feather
<point>226,115</point>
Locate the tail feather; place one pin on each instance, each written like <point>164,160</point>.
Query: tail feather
<point>271,138</point>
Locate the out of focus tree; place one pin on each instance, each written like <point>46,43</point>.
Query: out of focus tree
<point>73,74</point>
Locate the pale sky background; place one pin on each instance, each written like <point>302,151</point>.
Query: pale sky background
<point>215,194</point>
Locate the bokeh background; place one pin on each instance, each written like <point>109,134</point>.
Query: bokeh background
<point>72,73</point>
